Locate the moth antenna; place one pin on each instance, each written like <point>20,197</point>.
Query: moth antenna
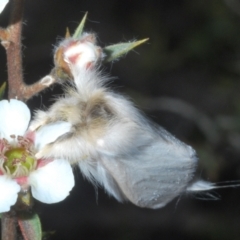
<point>202,186</point>
<point>207,196</point>
<point>201,189</point>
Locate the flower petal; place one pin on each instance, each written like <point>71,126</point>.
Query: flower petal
<point>15,117</point>
<point>9,192</point>
<point>52,182</point>
<point>3,3</point>
<point>50,132</point>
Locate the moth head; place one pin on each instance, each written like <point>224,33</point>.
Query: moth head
<point>74,55</point>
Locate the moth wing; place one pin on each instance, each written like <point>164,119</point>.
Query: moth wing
<point>152,177</point>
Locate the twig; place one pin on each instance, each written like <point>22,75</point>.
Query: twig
<point>27,91</point>
<point>9,224</point>
<point>13,49</point>
<point>11,41</point>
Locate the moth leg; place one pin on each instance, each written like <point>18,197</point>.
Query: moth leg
<point>93,120</point>
<point>40,119</point>
<point>57,149</point>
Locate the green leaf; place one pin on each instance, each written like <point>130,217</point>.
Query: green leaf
<point>78,32</point>
<point>30,226</point>
<point>117,50</point>
<point>2,90</point>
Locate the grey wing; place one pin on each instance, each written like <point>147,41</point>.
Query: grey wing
<point>157,173</point>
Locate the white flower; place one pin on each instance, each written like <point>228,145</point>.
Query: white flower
<point>3,3</point>
<point>50,180</point>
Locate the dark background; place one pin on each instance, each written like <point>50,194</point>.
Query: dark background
<point>186,78</point>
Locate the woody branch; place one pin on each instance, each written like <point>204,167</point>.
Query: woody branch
<point>11,41</point>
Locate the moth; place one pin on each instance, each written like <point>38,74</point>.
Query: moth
<point>111,141</point>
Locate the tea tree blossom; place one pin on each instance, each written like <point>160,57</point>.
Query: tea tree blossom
<point>50,180</point>
<point>3,3</point>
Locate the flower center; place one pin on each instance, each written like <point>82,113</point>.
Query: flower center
<point>18,162</point>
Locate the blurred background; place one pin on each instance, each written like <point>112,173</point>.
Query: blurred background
<point>186,78</point>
